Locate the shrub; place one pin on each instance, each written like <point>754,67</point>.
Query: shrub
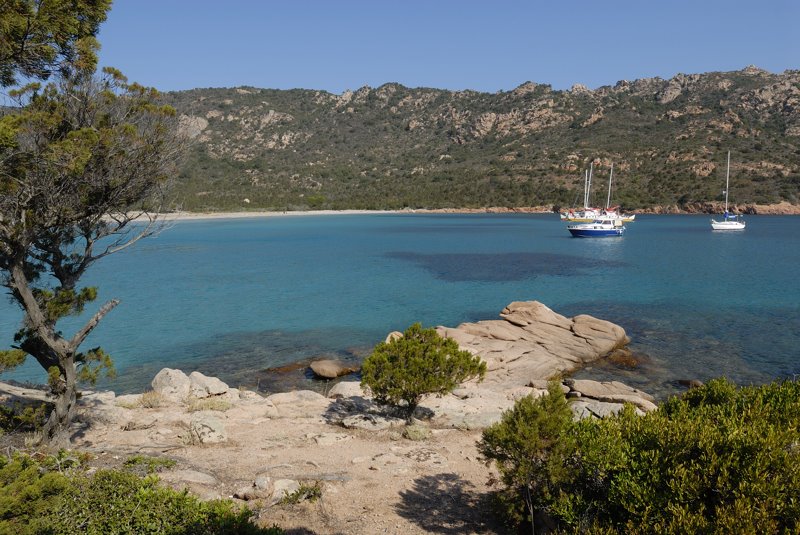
<point>209,404</point>
<point>719,459</point>
<point>43,497</point>
<point>421,362</point>
<point>306,491</point>
<point>145,464</point>
<point>22,417</point>
<point>529,446</point>
<point>152,400</point>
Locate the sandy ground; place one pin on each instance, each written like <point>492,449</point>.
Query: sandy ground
<point>372,481</point>
<point>783,208</point>
<point>183,216</point>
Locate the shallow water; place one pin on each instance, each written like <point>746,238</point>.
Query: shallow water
<point>234,298</point>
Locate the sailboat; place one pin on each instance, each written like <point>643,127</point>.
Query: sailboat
<point>613,211</point>
<point>729,221</point>
<point>588,214</point>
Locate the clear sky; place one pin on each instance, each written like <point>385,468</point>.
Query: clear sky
<point>449,44</point>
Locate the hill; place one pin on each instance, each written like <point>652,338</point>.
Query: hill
<point>395,147</point>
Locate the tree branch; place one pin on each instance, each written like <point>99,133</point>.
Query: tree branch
<point>81,335</point>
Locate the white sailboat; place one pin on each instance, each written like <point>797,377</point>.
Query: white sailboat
<point>613,211</point>
<point>729,221</point>
<point>588,214</point>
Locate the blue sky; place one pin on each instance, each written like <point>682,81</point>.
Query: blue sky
<point>485,46</point>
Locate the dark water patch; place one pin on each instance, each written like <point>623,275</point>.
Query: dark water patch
<point>698,344</point>
<point>502,267</point>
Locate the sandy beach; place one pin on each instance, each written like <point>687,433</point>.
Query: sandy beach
<point>783,208</point>
<point>188,216</point>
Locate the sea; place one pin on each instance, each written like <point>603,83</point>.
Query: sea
<point>253,300</point>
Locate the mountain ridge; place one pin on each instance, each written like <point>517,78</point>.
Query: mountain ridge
<point>394,147</point>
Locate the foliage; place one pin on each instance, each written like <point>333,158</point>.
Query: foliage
<point>719,459</point>
<point>306,492</point>
<point>79,159</point>
<point>151,400</point>
<point>40,37</point>
<point>37,498</point>
<point>420,362</point>
<point>394,147</point>
<point>208,404</point>
<point>145,464</point>
<point>22,417</point>
<point>529,445</point>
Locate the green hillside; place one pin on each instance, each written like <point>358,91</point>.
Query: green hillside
<point>394,147</point>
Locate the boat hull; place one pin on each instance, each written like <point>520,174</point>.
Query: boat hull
<point>596,233</point>
<point>597,229</point>
<point>727,225</point>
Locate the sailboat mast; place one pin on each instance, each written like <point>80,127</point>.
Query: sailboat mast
<point>727,179</point>
<point>585,188</point>
<point>610,176</point>
<point>589,187</point>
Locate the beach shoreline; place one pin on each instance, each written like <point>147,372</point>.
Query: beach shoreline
<point>783,208</point>
<point>190,216</point>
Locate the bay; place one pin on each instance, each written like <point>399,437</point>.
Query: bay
<point>237,298</point>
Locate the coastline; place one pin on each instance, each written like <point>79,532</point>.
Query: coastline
<point>782,208</point>
<point>191,216</point>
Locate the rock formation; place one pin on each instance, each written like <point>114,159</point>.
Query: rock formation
<point>533,342</point>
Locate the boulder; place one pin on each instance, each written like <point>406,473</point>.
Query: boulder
<point>347,389</point>
<point>532,342</point>
<point>202,386</point>
<point>394,335</point>
<point>207,428</point>
<point>331,369</point>
<point>173,385</point>
<point>594,409</point>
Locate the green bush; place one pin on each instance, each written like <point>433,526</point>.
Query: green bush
<point>421,362</point>
<point>38,497</point>
<point>719,459</point>
<point>529,445</point>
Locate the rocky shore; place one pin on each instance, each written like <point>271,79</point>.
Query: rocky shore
<point>375,474</point>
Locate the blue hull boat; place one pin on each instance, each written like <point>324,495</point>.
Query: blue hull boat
<point>600,228</point>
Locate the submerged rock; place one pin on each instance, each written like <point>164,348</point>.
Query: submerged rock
<point>331,369</point>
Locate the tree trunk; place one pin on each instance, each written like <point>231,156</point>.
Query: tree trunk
<point>56,432</point>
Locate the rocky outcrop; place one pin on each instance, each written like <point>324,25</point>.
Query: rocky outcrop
<point>533,342</point>
<point>331,369</point>
<point>173,385</point>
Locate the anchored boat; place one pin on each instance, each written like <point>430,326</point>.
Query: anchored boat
<point>599,228</point>
<point>729,221</point>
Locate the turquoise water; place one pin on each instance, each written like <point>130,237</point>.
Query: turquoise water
<point>234,298</point>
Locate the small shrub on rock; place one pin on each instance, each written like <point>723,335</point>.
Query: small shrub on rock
<point>400,372</point>
<point>209,404</point>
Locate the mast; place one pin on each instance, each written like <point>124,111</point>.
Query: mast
<point>585,188</point>
<point>610,176</point>
<point>727,178</point>
<point>589,186</point>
